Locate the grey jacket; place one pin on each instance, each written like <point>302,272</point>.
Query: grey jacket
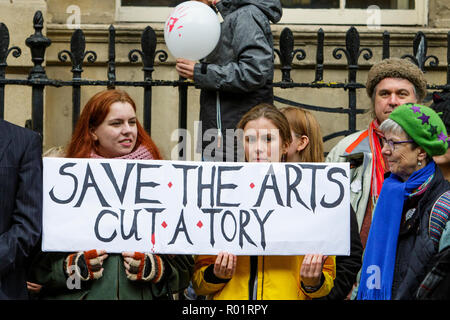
<point>240,69</point>
<point>360,173</point>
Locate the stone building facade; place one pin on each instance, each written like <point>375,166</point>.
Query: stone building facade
<point>95,17</point>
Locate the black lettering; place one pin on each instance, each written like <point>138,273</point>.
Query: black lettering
<point>201,186</point>
<point>261,225</point>
<point>222,225</point>
<point>314,169</point>
<point>97,221</point>
<point>154,211</point>
<point>221,186</point>
<point>293,187</point>
<point>341,188</point>
<point>211,212</point>
<point>120,192</point>
<point>133,229</point>
<point>185,170</point>
<point>274,187</point>
<point>181,226</point>
<point>89,182</point>
<point>75,182</point>
<point>140,184</point>
<point>242,225</point>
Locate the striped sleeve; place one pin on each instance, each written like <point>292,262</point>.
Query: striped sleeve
<point>439,216</point>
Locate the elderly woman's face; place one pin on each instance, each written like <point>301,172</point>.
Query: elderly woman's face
<point>403,159</point>
<point>117,134</point>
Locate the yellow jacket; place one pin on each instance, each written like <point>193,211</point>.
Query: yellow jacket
<point>278,278</point>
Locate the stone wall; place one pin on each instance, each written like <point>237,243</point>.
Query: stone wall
<point>96,16</point>
<point>439,14</point>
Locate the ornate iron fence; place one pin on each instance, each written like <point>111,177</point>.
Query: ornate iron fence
<point>38,80</point>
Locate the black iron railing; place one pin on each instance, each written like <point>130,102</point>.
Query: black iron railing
<point>38,80</point>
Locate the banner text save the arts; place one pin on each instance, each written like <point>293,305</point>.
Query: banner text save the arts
<point>181,207</point>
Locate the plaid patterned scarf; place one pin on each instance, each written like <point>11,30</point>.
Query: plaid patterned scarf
<point>141,153</point>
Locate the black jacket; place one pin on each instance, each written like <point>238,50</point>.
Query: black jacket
<point>347,267</point>
<point>416,251</point>
<point>436,285</point>
<point>20,205</point>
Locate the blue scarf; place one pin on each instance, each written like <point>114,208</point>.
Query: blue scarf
<point>377,272</point>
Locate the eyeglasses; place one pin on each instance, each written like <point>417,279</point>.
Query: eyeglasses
<point>392,144</point>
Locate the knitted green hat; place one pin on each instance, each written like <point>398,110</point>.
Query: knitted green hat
<point>424,126</point>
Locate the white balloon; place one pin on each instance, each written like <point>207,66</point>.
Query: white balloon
<point>192,30</point>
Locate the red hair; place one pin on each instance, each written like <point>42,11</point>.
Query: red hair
<point>95,111</point>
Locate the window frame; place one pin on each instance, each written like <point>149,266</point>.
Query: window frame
<point>398,17</point>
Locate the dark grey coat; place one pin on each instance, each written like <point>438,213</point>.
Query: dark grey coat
<point>240,68</point>
<point>20,205</point>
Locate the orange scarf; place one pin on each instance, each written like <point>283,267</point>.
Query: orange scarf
<point>378,163</point>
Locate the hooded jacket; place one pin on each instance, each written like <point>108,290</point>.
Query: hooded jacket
<point>260,278</point>
<point>238,74</point>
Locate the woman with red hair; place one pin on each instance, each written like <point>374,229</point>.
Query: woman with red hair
<point>108,128</point>
<point>111,110</point>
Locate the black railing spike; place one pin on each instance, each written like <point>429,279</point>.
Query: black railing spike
<point>111,56</point>
<point>386,45</point>
<point>420,48</point>
<point>182,117</point>
<point>77,54</point>
<point>5,50</point>
<point>286,54</point>
<point>319,55</point>
<point>448,57</point>
<point>148,45</point>
<point>352,52</point>
<point>148,54</point>
<point>37,43</point>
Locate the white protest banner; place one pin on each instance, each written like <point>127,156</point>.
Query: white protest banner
<point>183,207</point>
